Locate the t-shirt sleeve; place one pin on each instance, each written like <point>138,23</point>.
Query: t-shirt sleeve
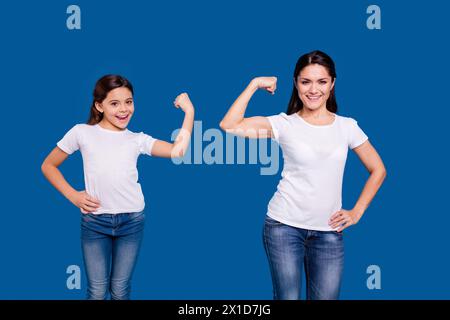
<point>356,135</point>
<point>278,123</point>
<point>146,143</point>
<point>71,140</point>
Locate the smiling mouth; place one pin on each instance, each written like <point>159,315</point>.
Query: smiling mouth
<point>123,118</point>
<point>313,98</point>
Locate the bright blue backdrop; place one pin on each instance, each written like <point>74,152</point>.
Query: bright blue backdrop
<point>204,222</point>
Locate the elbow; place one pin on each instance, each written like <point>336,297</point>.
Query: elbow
<point>44,167</point>
<point>380,173</point>
<point>222,125</point>
<point>226,125</point>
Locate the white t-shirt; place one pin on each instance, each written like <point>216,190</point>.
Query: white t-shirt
<point>110,165</point>
<point>310,190</point>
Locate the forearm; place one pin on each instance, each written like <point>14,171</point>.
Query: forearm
<point>55,177</point>
<point>237,111</point>
<point>184,135</point>
<point>369,191</point>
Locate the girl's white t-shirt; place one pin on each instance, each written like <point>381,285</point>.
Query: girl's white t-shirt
<point>110,165</point>
<point>310,190</point>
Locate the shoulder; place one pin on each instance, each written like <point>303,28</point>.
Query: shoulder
<point>82,127</point>
<point>282,118</point>
<point>346,121</point>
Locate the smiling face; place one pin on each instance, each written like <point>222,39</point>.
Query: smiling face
<point>314,85</point>
<point>117,109</point>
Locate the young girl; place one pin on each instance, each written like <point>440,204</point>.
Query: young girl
<point>112,205</point>
<point>305,220</point>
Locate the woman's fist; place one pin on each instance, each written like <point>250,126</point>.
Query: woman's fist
<point>267,83</point>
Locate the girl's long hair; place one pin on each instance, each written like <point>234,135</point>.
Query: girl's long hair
<point>314,57</point>
<point>104,85</point>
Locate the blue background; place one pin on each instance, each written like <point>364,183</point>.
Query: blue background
<point>204,222</point>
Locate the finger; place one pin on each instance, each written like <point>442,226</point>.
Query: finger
<point>91,198</point>
<point>90,207</point>
<point>85,209</point>
<point>337,222</point>
<point>93,203</point>
<point>336,215</point>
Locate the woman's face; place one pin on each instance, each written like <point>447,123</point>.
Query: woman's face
<point>314,85</point>
<point>117,108</point>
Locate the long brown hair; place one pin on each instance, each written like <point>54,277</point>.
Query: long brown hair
<point>104,85</point>
<point>314,57</point>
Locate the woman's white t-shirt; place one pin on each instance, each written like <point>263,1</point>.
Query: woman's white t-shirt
<point>310,190</point>
<point>110,165</point>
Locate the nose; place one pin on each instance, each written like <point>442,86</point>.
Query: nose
<point>123,108</point>
<point>313,88</point>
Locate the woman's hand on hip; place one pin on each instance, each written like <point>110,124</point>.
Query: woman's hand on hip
<point>85,202</point>
<point>343,219</point>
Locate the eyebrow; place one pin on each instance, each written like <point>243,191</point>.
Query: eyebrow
<point>115,100</point>
<point>317,79</point>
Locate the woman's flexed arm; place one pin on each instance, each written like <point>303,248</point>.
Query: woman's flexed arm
<point>252,127</point>
<point>178,148</point>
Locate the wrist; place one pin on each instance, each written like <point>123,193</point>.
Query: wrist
<point>359,211</point>
<point>253,85</point>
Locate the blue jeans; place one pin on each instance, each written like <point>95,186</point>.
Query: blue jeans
<point>289,248</point>
<point>110,245</point>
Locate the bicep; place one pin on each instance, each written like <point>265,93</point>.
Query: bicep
<point>56,157</point>
<point>253,127</point>
<point>369,156</point>
<point>162,149</point>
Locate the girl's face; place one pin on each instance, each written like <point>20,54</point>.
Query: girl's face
<point>314,85</point>
<point>117,108</point>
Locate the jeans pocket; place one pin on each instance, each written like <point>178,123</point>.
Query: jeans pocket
<point>137,216</point>
<point>272,222</point>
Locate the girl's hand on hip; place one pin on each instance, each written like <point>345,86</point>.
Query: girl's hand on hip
<point>182,101</point>
<point>343,219</point>
<point>85,202</point>
<point>267,83</point>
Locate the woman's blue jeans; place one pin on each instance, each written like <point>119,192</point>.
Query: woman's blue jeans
<point>289,248</point>
<point>110,244</point>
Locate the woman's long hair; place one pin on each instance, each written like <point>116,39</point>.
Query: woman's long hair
<point>104,85</point>
<point>315,57</point>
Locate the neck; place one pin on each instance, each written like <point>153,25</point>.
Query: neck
<point>319,113</point>
<point>105,124</point>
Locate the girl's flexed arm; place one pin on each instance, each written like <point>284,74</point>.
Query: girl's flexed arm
<point>178,148</point>
<point>253,127</point>
<point>80,199</point>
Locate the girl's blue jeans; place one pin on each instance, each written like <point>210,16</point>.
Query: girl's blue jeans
<point>110,245</point>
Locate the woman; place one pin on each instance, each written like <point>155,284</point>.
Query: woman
<point>305,220</point>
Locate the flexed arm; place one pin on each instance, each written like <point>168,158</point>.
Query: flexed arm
<point>166,149</point>
<point>252,127</point>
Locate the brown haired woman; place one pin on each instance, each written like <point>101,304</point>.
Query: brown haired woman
<point>305,219</point>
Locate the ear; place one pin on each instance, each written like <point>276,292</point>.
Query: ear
<point>98,106</point>
<point>332,84</point>
<point>295,83</point>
